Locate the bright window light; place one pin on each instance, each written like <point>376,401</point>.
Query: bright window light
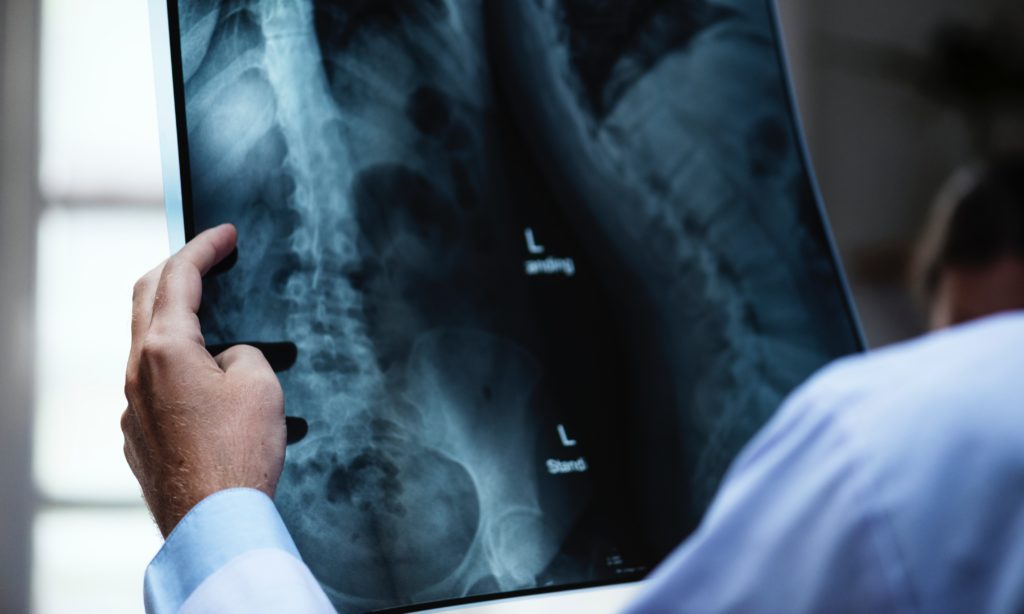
<point>91,561</point>
<point>88,260</point>
<point>99,136</point>
<point>101,228</point>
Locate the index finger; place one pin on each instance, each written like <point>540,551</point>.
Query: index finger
<point>180,288</point>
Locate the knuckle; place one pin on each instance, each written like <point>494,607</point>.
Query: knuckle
<point>174,264</point>
<point>263,379</point>
<point>139,288</point>
<point>177,266</point>
<point>250,353</point>
<point>246,354</point>
<point>145,283</point>
<point>157,348</point>
<point>269,380</point>
<point>131,382</point>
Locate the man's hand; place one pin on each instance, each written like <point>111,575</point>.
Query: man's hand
<point>195,424</point>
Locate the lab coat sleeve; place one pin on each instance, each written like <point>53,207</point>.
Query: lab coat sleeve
<point>231,553</point>
<point>791,530</point>
<point>890,482</point>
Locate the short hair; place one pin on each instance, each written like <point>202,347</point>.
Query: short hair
<point>977,220</point>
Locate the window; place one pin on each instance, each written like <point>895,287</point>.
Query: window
<point>101,227</point>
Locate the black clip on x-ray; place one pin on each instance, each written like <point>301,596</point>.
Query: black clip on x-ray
<point>280,354</point>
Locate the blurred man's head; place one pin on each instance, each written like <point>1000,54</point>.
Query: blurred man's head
<point>971,260</point>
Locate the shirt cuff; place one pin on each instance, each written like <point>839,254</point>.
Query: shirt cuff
<point>219,528</point>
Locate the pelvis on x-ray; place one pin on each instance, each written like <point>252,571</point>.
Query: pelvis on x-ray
<point>546,265</point>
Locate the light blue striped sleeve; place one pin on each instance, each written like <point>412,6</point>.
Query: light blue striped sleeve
<point>226,534</point>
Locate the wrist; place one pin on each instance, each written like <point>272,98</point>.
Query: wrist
<point>180,496</point>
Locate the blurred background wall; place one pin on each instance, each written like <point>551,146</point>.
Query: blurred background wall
<point>894,95</point>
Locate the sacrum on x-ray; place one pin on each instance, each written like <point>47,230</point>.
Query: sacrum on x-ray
<point>532,272</point>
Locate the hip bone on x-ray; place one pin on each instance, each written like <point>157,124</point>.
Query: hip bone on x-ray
<point>540,269</point>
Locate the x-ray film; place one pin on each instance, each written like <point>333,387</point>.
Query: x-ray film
<point>532,271</point>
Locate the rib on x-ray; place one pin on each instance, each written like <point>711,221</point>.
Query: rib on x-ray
<point>546,265</point>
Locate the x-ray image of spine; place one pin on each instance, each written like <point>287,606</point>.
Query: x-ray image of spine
<point>547,266</point>
<point>665,127</point>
